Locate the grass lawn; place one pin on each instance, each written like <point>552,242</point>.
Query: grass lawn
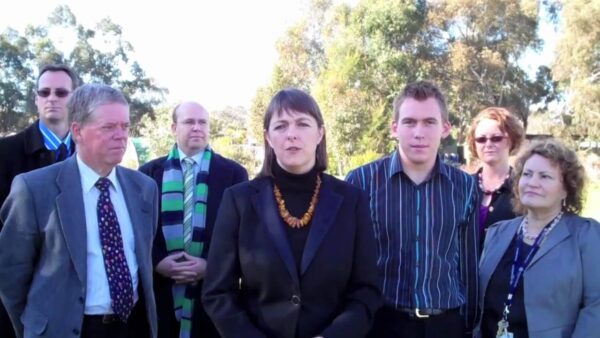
<point>592,208</point>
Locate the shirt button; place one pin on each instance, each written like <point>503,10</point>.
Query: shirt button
<point>295,300</point>
<point>81,300</point>
<point>76,332</point>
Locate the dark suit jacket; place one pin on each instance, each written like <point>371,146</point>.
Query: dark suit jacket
<point>21,153</point>
<point>255,289</point>
<point>223,174</point>
<point>43,261</point>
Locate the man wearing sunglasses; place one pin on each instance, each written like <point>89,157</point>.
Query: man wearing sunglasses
<point>44,142</point>
<point>47,140</point>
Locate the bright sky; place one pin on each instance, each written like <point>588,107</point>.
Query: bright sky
<point>215,52</point>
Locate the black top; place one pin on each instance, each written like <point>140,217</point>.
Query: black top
<point>296,190</point>
<point>496,293</point>
<point>500,207</point>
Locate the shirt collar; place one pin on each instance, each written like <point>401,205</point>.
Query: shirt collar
<point>89,177</point>
<point>396,166</point>
<point>197,158</point>
<point>51,141</point>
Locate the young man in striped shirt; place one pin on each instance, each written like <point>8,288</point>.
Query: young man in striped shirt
<point>425,217</point>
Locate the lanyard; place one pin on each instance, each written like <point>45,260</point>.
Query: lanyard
<point>519,266</point>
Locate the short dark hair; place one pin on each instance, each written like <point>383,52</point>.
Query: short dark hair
<point>507,123</point>
<point>293,99</point>
<point>55,67</point>
<point>572,172</point>
<point>421,91</point>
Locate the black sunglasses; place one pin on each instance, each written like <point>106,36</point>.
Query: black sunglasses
<point>59,92</point>
<point>494,139</point>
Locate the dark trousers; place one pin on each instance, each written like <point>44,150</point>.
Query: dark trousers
<point>6,329</point>
<point>136,326</point>
<point>391,323</point>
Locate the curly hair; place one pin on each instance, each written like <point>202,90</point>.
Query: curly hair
<point>572,172</point>
<point>507,123</point>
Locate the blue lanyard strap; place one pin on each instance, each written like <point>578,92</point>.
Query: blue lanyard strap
<point>518,265</point>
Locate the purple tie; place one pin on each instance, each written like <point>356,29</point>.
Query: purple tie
<point>117,271</point>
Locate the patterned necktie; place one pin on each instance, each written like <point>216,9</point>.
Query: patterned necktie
<point>61,152</point>
<point>117,271</point>
<point>188,202</point>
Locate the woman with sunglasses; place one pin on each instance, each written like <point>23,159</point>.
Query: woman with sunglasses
<point>538,274</point>
<point>494,135</point>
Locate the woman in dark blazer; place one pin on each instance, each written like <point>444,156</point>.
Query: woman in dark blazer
<point>494,135</point>
<point>293,251</point>
<point>557,294</point>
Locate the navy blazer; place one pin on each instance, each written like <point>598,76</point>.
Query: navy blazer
<point>223,174</point>
<point>253,288</point>
<point>562,282</point>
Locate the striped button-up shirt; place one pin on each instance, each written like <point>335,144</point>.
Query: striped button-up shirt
<point>427,234</point>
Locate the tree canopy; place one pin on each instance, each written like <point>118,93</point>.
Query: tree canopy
<point>98,54</point>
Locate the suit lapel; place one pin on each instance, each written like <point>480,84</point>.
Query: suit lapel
<point>325,212</point>
<point>554,237</point>
<point>139,210</point>
<point>71,213</point>
<point>266,209</point>
<point>501,237</point>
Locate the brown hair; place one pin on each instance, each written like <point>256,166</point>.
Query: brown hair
<point>421,91</point>
<point>571,170</point>
<point>292,99</point>
<point>59,68</point>
<point>507,123</point>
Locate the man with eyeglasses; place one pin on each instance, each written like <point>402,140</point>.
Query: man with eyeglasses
<point>191,180</point>
<point>425,217</point>
<point>44,142</point>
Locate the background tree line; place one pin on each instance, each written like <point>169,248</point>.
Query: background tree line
<point>354,60</point>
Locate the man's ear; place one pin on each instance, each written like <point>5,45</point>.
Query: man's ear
<point>446,129</point>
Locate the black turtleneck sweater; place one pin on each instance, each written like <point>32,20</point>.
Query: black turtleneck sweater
<point>296,190</point>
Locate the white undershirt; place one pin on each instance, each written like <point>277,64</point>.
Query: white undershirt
<point>97,297</point>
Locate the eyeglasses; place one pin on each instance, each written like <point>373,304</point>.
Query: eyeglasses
<point>494,139</point>
<point>59,92</point>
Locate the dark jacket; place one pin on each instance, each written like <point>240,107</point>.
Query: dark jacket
<point>223,174</point>
<point>21,153</point>
<point>255,289</point>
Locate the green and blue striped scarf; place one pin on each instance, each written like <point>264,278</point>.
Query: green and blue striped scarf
<point>172,226</point>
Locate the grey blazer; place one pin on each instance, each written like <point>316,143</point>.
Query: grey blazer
<point>43,257</point>
<point>562,282</point>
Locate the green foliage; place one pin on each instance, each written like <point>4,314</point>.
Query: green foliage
<point>96,55</point>
<point>156,130</point>
<point>577,66</point>
<point>367,53</point>
<point>142,148</point>
<point>230,135</point>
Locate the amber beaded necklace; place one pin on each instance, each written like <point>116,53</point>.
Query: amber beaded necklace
<point>285,214</point>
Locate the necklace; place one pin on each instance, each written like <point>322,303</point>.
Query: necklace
<point>285,214</point>
<point>490,192</point>
<point>530,237</point>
